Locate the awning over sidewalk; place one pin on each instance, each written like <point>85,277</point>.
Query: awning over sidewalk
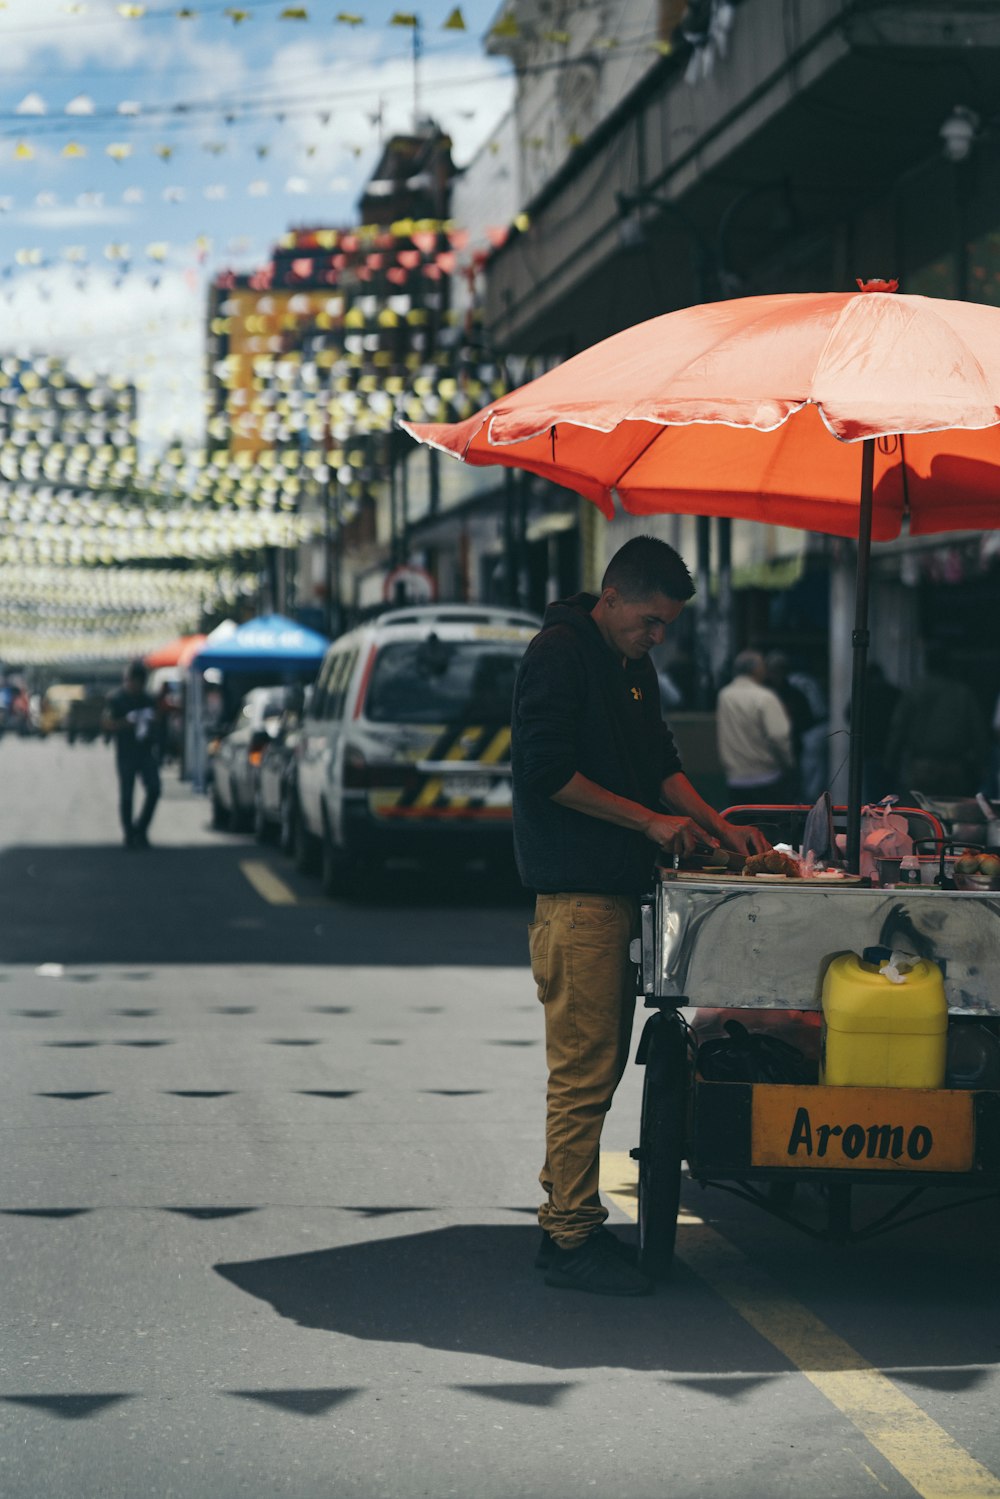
<point>271,643</point>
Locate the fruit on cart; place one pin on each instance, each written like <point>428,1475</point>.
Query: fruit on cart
<point>976,870</point>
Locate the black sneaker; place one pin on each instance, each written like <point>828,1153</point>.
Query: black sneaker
<point>141,838</point>
<point>547,1248</point>
<point>595,1268</point>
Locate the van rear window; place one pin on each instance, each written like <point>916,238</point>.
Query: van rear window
<point>444,681</point>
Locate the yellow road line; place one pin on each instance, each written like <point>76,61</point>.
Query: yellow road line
<point>918,1448</point>
<point>267,884</point>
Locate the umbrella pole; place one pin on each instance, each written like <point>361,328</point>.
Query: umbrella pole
<point>860,640</point>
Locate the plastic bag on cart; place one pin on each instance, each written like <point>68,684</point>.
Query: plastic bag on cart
<point>743,1056</point>
<point>885,834</point>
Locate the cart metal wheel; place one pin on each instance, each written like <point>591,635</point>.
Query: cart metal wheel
<point>661,1140</point>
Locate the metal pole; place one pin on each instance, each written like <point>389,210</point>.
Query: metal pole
<point>327,554</point>
<point>523,585</point>
<point>509,548</point>
<point>859,641</point>
<point>393,508</point>
<point>338,562</point>
<point>723,632</point>
<point>703,616</point>
<point>404,507</point>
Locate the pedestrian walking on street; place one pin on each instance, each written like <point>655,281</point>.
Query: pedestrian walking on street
<point>599,791</point>
<point>755,736</point>
<point>131,716</point>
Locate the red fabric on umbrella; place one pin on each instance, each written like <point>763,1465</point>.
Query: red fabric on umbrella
<point>735,408</point>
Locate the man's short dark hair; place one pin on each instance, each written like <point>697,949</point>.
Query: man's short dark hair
<point>136,672</point>
<point>645,566</point>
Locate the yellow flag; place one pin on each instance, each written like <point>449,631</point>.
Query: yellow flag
<point>455,22</point>
<point>403,18</point>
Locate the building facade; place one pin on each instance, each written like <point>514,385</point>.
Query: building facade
<point>670,154</point>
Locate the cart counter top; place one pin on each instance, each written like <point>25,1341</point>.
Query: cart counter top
<point>766,945</point>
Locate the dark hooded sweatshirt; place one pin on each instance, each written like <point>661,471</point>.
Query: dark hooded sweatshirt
<point>579,706</point>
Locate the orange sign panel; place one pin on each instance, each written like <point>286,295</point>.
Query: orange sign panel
<point>862,1129</point>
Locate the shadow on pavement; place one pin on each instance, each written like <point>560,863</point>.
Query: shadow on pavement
<point>84,904</point>
<point>472,1289</point>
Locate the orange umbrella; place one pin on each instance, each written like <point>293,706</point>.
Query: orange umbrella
<point>754,409</point>
<point>177,652</point>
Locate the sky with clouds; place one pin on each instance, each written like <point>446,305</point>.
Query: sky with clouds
<point>145,147</point>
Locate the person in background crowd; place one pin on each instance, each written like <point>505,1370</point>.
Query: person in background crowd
<point>131,716</point>
<point>938,740</point>
<point>796,705</point>
<point>755,736</point>
<point>815,767</point>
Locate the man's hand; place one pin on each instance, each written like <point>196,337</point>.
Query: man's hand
<point>675,835</point>
<point>743,840</point>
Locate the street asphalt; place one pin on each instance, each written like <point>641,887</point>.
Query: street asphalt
<point>267,1203</point>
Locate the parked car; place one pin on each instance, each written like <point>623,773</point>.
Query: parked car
<point>275,797</point>
<point>405,748</point>
<point>238,755</point>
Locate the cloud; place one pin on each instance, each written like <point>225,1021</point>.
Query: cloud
<point>100,322</point>
<point>71,216</point>
<point>76,40</point>
<point>465,94</point>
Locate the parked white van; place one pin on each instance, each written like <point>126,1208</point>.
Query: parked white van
<point>405,748</point>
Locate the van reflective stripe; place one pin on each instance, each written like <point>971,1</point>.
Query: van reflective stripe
<point>471,744</point>
<point>366,677</point>
<point>497,749</point>
<point>435,785</point>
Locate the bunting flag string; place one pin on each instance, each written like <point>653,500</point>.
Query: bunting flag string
<point>67,613</point>
<point>407,252</point>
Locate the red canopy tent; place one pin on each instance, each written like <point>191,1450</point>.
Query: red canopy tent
<point>179,652</point>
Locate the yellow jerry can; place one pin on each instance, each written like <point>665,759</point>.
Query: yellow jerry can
<point>880,1032</point>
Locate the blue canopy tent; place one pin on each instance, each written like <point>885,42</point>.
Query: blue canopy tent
<point>269,644</point>
<point>271,647</point>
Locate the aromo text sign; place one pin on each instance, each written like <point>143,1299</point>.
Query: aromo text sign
<point>866,1129</point>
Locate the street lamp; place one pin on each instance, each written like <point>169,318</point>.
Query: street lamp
<point>958,132</point>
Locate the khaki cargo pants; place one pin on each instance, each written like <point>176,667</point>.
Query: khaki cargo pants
<point>586,982</point>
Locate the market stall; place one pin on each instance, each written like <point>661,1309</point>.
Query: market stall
<point>858,415</point>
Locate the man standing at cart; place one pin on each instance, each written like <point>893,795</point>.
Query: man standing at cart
<point>599,791</point>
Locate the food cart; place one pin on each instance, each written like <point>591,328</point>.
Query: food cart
<point>755,408</point>
<point>742,946</point>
